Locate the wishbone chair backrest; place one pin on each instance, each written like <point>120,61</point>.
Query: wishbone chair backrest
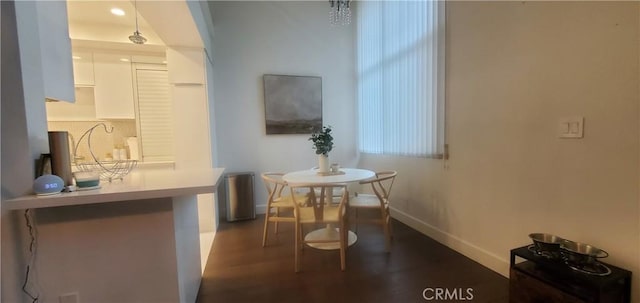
<point>274,184</point>
<point>382,184</point>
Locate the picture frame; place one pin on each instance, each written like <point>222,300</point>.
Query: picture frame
<point>293,104</point>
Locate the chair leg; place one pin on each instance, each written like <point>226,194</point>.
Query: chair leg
<point>347,224</point>
<point>297,248</point>
<point>266,228</point>
<point>301,237</point>
<point>387,235</point>
<point>389,225</point>
<point>344,234</point>
<point>386,230</point>
<point>276,223</point>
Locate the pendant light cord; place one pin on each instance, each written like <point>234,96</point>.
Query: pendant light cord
<point>135,5</point>
<point>137,38</point>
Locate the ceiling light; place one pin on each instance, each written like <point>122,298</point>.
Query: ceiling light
<point>76,57</point>
<point>137,38</point>
<point>116,11</point>
<point>124,59</point>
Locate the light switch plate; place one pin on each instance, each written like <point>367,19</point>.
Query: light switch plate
<point>571,127</point>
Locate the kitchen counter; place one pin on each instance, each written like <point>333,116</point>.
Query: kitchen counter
<point>137,185</point>
<point>142,231</point>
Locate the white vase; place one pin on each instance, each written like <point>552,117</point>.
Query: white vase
<point>323,163</point>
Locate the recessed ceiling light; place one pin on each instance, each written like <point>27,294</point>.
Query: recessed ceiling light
<point>124,59</point>
<point>116,11</point>
<point>76,57</point>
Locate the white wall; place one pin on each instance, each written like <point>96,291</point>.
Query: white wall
<point>513,69</point>
<point>292,38</point>
<point>23,140</point>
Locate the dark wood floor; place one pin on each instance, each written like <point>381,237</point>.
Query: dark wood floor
<point>241,270</point>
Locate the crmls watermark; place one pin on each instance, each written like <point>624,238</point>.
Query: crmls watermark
<point>447,294</point>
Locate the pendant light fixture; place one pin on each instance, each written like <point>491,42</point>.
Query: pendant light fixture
<point>137,38</point>
<point>340,12</point>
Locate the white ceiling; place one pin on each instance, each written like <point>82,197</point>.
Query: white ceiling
<point>81,11</point>
<point>162,22</point>
<point>93,20</point>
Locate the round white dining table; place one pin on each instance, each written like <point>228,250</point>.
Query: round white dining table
<point>311,176</point>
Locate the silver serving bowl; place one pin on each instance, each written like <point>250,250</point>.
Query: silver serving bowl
<point>546,243</point>
<point>580,253</point>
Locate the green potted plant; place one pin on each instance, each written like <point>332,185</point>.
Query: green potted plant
<point>323,144</point>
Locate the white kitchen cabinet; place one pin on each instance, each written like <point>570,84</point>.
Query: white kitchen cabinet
<point>83,68</point>
<point>82,110</point>
<point>148,59</point>
<point>186,65</point>
<point>113,86</point>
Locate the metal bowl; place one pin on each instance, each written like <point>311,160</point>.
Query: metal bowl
<point>546,243</point>
<point>580,253</point>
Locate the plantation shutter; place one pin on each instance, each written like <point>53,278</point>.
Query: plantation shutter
<point>155,115</point>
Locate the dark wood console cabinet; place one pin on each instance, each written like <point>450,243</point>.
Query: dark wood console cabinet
<point>537,279</point>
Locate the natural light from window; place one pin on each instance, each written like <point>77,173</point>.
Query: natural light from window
<point>400,48</point>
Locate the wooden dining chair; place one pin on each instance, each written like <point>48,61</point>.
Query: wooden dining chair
<point>317,211</point>
<point>280,204</point>
<point>381,187</point>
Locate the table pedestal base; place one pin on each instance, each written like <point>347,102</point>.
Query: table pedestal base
<point>328,233</point>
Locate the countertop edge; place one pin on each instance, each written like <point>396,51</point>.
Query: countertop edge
<point>153,187</point>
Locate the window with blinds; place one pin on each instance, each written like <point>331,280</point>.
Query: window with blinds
<point>154,113</point>
<point>400,50</point>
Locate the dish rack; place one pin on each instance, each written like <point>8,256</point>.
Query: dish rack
<point>108,170</point>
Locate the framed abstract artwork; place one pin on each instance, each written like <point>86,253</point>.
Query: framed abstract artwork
<point>293,104</point>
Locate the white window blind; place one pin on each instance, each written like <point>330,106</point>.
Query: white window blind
<point>155,115</point>
<point>400,49</point>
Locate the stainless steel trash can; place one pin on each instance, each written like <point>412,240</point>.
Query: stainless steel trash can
<point>240,202</point>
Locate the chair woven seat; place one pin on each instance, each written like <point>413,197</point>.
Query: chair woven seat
<point>330,215</point>
<point>365,201</point>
